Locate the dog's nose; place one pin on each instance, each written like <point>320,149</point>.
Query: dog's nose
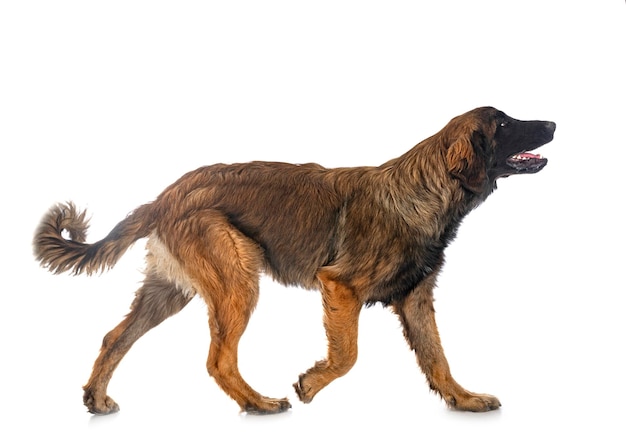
<point>551,126</point>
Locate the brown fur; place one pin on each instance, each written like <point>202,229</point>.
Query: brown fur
<point>360,235</point>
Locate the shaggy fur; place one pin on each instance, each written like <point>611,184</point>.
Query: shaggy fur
<point>360,235</point>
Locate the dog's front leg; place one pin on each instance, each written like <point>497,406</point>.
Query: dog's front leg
<point>341,320</point>
<point>417,315</point>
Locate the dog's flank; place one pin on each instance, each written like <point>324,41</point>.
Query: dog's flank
<point>360,235</point>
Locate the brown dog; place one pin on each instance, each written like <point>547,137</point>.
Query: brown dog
<point>360,235</point>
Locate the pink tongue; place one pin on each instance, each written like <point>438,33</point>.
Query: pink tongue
<point>529,155</point>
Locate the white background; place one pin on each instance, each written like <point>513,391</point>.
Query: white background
<point>106,103</point>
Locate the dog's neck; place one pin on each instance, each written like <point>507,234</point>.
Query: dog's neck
<point>439,198</point>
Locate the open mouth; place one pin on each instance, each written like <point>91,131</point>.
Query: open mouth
<point>526,162</point>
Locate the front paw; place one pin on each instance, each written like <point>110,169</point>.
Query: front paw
<point>304,392</point>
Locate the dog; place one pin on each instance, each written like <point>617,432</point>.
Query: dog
<point>361,235</point>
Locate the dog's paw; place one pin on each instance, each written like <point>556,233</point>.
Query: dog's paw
<point>100,406</point>
<point>474,402</point>
<point>304,391</point>
<point>300,390</point>
<point>267,406</point>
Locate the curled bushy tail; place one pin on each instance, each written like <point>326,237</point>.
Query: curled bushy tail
<point>59,254</point>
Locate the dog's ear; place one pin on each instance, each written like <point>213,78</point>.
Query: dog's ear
<point>466,162</point>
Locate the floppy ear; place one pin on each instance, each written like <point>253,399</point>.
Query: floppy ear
<point>465,164</point>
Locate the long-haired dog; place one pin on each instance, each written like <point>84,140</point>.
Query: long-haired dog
<point>360,235</point>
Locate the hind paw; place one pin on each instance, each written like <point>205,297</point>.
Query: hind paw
<point>267,406</point>
<point>475,403</point>
<point>100,406</point>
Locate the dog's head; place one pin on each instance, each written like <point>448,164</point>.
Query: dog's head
<point>486,144</point>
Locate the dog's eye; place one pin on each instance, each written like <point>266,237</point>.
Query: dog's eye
<point>504,123</point>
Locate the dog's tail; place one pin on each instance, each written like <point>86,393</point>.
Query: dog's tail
<point>59,254</point>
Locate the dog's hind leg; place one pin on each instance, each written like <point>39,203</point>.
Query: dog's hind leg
<point>225,266</point>
<point>155,301</point>
<point>341,320</point>
<point>417,315</point>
